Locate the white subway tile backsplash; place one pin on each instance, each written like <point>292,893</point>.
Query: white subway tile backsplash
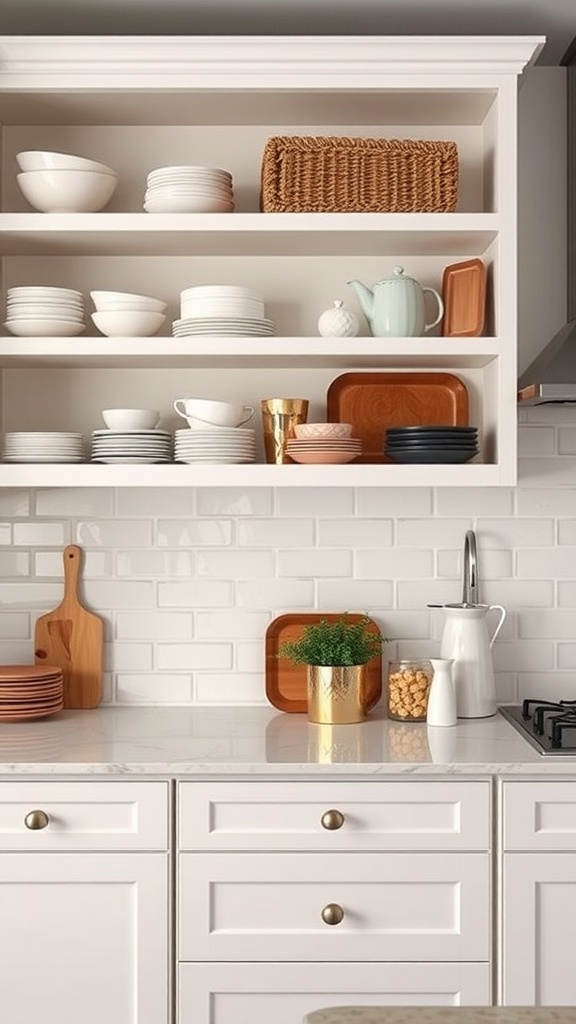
<point>394,502</point>
<point>354,595</point>
<point>234,501</point>
<point>154,625</point>
<point>431,533</point>
<point>458,501</point>
<point>156,688</point>
<point>5,533</point>
<point>235,564</point>
<point>155,562</point>
<point>275,594</point>
<point>552,623</point>
<point>250,657</point>
<point>14,652</point>
<point>14,563</point>
<point>514,533</point>
<point>114,533</point>
<point>394,563</point>
<point>537,472</point>
<point>567,440</point>
<point>94,564</point>
<point>126,657</point>
<point>224,625</point>
<point>317,563</point>
<point>529,656</point>
<point>41,534</point>
<point>14,626</point>
<point>533,440</point>
<point>551,500</point>
<point>242,688</point>
<point>519,593</point>
<point>74,501</point>
<point>195,593</point>
<point>148,501</point>
<point>567,656</point>
<point>112,594</point>
<point>194,656</point>
<point>191,533</point>
<point>557,562</point>
<point>30,595</point>
<point>567,594</point>
<point>567,530</point>
<point>274,533</point>
<point>315,501</point>
<point>14,502</point>
<point>355,533</point>
<point>420,593</point>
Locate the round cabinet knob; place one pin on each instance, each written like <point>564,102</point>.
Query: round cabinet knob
<point>332,820</point>
<point>332,913</point>
<point>36,819</point>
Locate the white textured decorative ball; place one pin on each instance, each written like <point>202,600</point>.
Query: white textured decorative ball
<point>338,322</point>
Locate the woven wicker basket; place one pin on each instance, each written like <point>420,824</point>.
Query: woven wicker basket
<point>328,174</point>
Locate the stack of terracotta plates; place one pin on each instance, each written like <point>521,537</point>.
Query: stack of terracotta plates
<point>317,450</point>
<point>30,691</point>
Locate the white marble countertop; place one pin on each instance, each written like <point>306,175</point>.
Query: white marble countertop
<point>443,1015</point>
<point>236,741</point>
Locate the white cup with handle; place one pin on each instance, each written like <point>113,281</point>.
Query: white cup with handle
<point>211,413</point>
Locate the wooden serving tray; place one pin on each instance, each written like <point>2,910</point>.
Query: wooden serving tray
<point>286,684</point>
<point>464,297</point>
<point>372,402</point>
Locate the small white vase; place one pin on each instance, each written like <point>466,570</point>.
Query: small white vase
<point>441,710</point>
<point>338,322</point>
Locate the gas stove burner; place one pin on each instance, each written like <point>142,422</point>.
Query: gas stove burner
<point>549,726</point>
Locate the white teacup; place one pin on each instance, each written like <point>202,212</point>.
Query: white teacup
<point>213,413</point>
<point>131,419</point>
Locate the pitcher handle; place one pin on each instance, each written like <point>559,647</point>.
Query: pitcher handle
<point>177,404</point>
<point>502,611</point>
<point>428,327</point>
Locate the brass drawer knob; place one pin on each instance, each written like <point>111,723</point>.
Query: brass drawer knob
<point>332,820</point>
<point>332,913</point>
<point>36,819</point>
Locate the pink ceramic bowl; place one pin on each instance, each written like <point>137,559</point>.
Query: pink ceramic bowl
<point>306,431</point>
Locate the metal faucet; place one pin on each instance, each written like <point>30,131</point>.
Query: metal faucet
<point>470,586</point>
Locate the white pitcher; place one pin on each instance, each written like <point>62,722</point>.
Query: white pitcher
<point>466,640</point>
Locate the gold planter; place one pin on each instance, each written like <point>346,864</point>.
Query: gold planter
<point>336,694</point>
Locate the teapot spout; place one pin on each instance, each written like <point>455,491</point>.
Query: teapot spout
<point>365,297</point>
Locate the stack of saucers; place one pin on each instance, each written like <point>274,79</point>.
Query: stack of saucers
<point>430,444</point>
<point>221,309</point>
<point>218,444</point>
<point>43,446</point>
<point>315,451</point>
<point>189,189</point>
<point>30,691</point>
<point>44,312</point>
<point>140,446</point>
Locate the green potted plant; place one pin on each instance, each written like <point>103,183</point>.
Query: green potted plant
<point>336,654</point>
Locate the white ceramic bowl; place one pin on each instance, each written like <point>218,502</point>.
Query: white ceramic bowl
<point>67,191</point>
<point>127,323</point>
<point>313,430</point>
<point>41,160</point>
<point>131,419</point>
<point>44,328</point>
<point>126,300</point>
<point>211,412</point>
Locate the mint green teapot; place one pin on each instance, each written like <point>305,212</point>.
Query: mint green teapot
<point>394,307</point>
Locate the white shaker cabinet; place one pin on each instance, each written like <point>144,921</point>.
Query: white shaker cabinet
<point>139,103</point>
<point>84,902</point>
<point>293,896</point>
<point>539,894</point>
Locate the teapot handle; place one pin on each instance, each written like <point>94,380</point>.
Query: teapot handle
<point>428,327</point>
<point>500,622</point>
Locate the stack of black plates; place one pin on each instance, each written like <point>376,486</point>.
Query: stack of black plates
<point>431,444</point>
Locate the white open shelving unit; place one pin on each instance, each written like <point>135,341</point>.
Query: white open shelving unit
<point>140,103</point>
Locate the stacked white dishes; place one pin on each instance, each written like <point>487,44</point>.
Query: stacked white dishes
<point>189,189</point>
<point>44,312</point>
<point>30,691</point>
<point>43,446</point>
<point>217,444</point>
<point>125,314</point>
<point>221,309</point>
<point>139,446</point>
<point>63,183</point>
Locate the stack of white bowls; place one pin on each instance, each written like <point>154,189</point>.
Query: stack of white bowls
<point>44,312</point>
<point>189,189</point>
<point>221,309</point>
<point>63,183</point>
<point>123,314</point>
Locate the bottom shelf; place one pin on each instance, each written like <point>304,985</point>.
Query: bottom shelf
<point>254,475</point>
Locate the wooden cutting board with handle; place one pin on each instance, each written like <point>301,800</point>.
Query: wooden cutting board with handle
<point>71,638</point>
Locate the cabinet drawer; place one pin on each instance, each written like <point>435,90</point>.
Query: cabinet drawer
<point>395,906</point>
<point>375,816</point>
<point>84,815</point>
<point>539,815</point>
<point>284,993</point>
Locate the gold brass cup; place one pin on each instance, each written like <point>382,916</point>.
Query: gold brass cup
<point>279,417</point>
<point>336,694</point>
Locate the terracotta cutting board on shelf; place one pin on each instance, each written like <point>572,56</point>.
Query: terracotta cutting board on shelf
<point>372,402</point>
<point>464,298</point>
<point>286,684</point>
<point>72,638</point>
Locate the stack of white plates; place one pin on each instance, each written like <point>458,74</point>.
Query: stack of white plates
<point>225,309</point>
<point>189,190</point>
<point>116,446</point>
<point>44,312</point>
<point>43,446</point>
<point>220,444</point>
<point>319,450</point>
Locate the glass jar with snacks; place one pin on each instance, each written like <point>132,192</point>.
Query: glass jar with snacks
<point>408,689</point>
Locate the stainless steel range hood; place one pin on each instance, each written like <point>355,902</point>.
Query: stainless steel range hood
<point>551,377</point>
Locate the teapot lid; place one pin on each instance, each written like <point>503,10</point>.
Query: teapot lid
<point>399,276</point>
